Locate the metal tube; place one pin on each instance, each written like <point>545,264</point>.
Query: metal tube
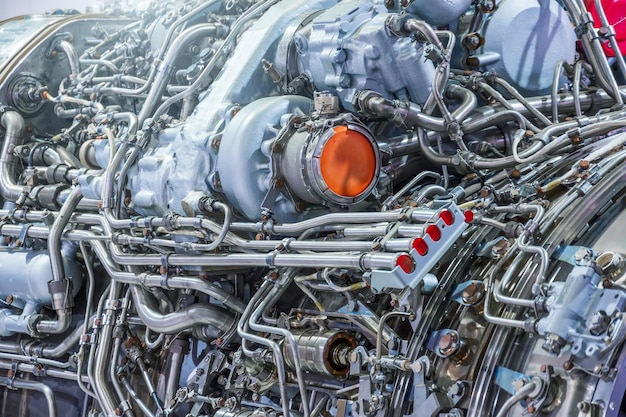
<point>276,292</point>
<point>611,33</point>
<point>279,360</point>
<point>224,48</point>
<point>102,359</point>
<point>133,394</point>
<point>60,302</point>
<point>196,314</point>
<point>555,91</point>
<point>366,262</point>
<point>519,395</point>
<point>72,57</point>
<point>516,94</point>
<point>160,83</point>
<point>39,387</point>
<point>14,125</point>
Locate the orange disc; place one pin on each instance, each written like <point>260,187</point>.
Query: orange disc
<point>348,162</point>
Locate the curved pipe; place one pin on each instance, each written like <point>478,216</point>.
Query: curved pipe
<point>593,50</point>
<point>259,299</point>
<point>196,314</point>
<point>39,387</point>
<point>59,296</point>
<point>611,33</point>
<point>521,394</point>
<point>150,280</point>
<point>160,83</point>
<point>201,80</point>
<point>72,57</point>
<point>410,114</point>
<point>14,125</point>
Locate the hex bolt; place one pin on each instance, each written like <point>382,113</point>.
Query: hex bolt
<point>584,406</point>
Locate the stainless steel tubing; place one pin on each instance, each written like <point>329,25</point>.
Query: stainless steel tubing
<point>196,314</point>
<point>14,125</point>
<point>35,386</point>
<point>60,303</point>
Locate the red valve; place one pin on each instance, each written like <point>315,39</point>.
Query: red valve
<point>615,11</point>
<point>420,245</point>
<point>406,263</point>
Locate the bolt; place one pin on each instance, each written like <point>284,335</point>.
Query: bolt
<point>472,294</point>
<point>132,342</point>
<point>10,299</point>
<point>448,344</point>
<point>583,253</point>
<point>234,111</point>
<point>568,365</point>
<point>584,165</point>
<point>215,143</point>
<point>118,412</point>
<point>543,368</point>
<point>584,406</point>
<point>531,409</point>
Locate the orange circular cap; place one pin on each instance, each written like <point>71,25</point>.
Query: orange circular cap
<point>348,162</point>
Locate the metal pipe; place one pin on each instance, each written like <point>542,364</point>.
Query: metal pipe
<point>279,360</point>
<point>576,88</point>
<point>72,57</point>
<point>62,291</point>
<point>275,293</point>
<point>612,39</point>
<point>171,323</point>
<point>135,397</point>
<point>102,358</point>
<point>516,94</point>
<point>224,48</point>
<point>35,386</point>
<point>365,262</point>
<point>160,83</point>
<point>177,282</point>
<point>555,91</point>
<point>14,125</point>
<point>593,49</point>
<point>521,394</point>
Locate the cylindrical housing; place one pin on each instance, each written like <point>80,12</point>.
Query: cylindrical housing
<point>340,164</point>
<point>324,353</point>
<point>26,273</point>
